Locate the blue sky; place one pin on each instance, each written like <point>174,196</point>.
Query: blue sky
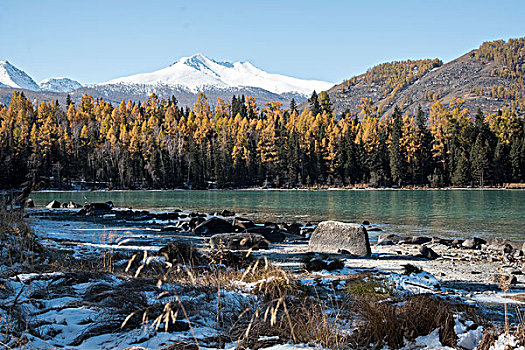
<point>94,41</point>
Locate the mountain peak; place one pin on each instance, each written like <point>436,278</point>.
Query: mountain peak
<point>11,76</point>
<point>201,62</point>
<point>59,84</point>
<point>198,73</point>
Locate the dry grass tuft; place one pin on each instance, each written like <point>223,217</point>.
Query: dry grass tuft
<point>389,324</point>
<point>297,320</point>
<point>490,335</point>
<point>18,245</point>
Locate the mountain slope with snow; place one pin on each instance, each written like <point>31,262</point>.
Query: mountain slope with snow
<point>59,84</point>
<point>200,73</point>
<point>11,76</point>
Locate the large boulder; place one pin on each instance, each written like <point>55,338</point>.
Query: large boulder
<point>337,237</point>
<point>214,225</point>
<point>238,241</point>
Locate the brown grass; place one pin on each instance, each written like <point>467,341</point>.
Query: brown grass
<point>17,240</point>
<point>386,323</point>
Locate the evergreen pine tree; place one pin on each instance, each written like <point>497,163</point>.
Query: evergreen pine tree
<point>397,163</point>
<point>500,163</point>
<point>424,166</point>
<point>479,162</point>
<point>293,106</point>
<point>460,176</point>
<point>515,158</point>
<point>313,102</point>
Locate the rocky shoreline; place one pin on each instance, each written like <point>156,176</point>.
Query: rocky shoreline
<point>469,266</point>
<point>98,251</point>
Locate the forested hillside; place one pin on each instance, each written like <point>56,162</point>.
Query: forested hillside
<point>489,78</point>
<point>157,144</point>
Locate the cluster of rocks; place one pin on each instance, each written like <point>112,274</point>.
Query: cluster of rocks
<point>227,230</point>
<point>348,238</point>
<point>55,204</point>
<point>224,228</point>
<point>508,248</point>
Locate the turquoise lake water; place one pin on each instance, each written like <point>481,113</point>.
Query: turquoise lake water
<point>452,213</point>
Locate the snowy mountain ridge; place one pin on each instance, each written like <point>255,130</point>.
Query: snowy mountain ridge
<point>11,76</point>
<point>59,84</point>
<point>198,72</point>
<point>185,78</point>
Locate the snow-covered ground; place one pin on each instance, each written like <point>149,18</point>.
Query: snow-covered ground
<point>85,309</point>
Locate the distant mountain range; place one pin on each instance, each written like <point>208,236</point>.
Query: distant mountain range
<point>489,77</point>
<point>185,79</point>
<point>12,77</point>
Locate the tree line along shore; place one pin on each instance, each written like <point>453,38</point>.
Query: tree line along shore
<point>157,144</point>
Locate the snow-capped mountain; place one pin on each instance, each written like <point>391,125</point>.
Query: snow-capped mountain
<point>59,85</point>
<point>184,79</point>
<point>200,73</point>
<point>10,76</point>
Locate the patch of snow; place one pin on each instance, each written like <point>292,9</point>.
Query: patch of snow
<point>505,342</point>
<point>419,283</point>
<point>496,298</point>
<point>28,277</point>
<point>429,342</point>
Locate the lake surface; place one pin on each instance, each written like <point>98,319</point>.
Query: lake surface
<point>451,213</point>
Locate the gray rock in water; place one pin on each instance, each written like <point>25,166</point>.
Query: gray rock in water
<point>53,205</point>
<point>73,205</point>
<point>334,237</point>
<point>428,252</point>
<point>238,241</point>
